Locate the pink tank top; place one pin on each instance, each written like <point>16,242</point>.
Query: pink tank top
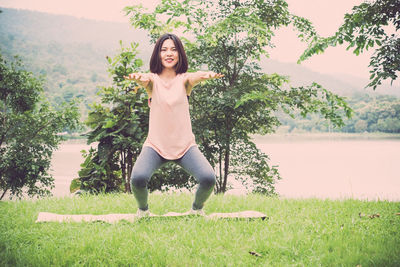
<point>170,128</point>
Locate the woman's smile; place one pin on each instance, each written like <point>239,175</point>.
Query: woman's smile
<point>169,54</point>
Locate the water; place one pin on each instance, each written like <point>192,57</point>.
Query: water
<point>337,169</point>
<point>334,169</point>
<point>65,165</point>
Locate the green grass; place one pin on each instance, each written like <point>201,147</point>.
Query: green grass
<point>297,233</point>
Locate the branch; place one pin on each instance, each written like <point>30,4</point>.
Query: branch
<point>4,122</point>
<point>41,128</point>
<point>209,116</point>
<point>236,69</point>
<point>236,73</point>
<point>227,56</point>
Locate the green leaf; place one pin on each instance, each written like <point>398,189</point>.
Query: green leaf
<point>357,51</point>
<point>109,124</point>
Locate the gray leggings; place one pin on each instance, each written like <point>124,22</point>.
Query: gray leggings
<point>193,162</point>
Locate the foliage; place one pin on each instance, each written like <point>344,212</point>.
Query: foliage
<point>28,132</point>
<point>119,125</point>
<point>230,37</point>
<point>96,175</point>
<point>250,166</point>
<point>171,176</point>
<point>364,28</point>
<point>375,114</point>
<point>371,114</point>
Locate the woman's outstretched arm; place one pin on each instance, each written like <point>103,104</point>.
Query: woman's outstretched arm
<point>143,79</point>
<point>194,78</point>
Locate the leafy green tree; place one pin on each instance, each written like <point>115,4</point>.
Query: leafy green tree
<point>230,37</point>
<point>364,28</point>
<point>28,132</point>
<point>360,126</point>
<point>119,126</point>
<point>380,113</point>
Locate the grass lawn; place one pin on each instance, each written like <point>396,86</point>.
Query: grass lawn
<point>307,232</point>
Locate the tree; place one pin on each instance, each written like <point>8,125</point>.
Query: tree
<point>119,126</point>
<point>28,132</point>
<point>360,126</point>
<point>364,28</point>
<point>230,37</point>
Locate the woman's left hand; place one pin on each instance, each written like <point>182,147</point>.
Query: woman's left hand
<point>211,75</point>
<point>196,77</point>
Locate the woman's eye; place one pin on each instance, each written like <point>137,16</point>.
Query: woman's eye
<point>165,50</point>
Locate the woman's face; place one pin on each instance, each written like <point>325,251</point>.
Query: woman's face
<point>169,54</point>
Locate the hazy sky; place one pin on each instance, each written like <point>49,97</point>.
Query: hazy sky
<point>327,16</point>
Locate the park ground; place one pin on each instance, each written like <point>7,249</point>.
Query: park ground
<point>297,232</point>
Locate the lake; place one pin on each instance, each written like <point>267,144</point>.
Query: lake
<point>337,169</point>
<point>322,168</point>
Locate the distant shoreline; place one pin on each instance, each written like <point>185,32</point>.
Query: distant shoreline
<point>297,137</point>
<point>323,137</point>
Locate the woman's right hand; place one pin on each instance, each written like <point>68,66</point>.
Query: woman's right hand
<point>141,78</point>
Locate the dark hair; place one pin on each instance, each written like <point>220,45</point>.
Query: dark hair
<point>155,61</point>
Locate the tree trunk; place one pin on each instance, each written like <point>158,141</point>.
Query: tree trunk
<point>129,166</point>
<point>122,163</point>
<point>5,191</point>
<point>219,184</point>
<point>226,166</point>
<point>227,151</point>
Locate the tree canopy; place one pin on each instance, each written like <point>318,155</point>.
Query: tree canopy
<point>369,25</point>
<point>28,132</point>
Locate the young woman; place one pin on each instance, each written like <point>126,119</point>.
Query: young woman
<point>170,136</point>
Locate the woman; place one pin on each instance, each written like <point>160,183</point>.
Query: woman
<point>170,136</point>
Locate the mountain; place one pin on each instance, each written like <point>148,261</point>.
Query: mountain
<point>386,88</point>
<point>71,53</point>
<point>45,27</point>
<point>342,84</point>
